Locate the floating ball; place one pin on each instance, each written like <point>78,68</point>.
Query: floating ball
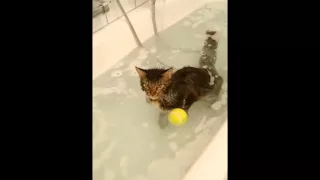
<point>178,117</point>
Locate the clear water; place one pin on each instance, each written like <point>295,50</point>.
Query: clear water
<point>127,141</point>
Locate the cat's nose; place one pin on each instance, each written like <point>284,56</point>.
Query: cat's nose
<point>153,93</point>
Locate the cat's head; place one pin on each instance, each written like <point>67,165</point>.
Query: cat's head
<point>154,81</point>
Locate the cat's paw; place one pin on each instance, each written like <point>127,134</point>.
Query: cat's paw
<point>163,121</point>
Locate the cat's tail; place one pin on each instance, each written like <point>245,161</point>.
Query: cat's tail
<point>208,54</point>
<point>213,35</point>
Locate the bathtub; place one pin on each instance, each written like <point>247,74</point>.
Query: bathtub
<point>212,164</point>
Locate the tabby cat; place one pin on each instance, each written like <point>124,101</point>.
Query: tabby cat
<point>180,89</point>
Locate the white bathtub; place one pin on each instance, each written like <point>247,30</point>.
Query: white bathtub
<point>212,164</point>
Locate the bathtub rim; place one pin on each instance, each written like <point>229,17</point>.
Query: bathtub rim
<point>212,163</point>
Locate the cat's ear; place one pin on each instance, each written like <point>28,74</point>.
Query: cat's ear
<point>168,73</point>
<point>141,72</point>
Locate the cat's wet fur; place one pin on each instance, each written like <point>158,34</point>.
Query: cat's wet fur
<point>208,56</point>
<point>168,89</point>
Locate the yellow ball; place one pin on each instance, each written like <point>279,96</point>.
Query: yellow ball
<point>178,117</point>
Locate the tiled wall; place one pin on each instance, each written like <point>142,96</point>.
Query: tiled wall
<point>102,20</point>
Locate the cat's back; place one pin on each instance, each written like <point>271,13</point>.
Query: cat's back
<point>188,72</point>
<point>191,75</point>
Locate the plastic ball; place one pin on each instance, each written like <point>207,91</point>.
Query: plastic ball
<point>178,117</point>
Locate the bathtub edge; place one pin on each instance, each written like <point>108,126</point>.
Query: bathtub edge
<point>212,163</point>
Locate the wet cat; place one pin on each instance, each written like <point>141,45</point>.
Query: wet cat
<point>180,89</point>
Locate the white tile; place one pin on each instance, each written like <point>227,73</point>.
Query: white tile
<point>115,40</point>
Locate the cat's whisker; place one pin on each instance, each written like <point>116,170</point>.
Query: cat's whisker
<point>161,98</point>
